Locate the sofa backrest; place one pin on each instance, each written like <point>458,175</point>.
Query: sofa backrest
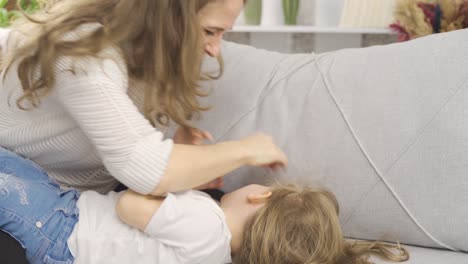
<point>385,128</point>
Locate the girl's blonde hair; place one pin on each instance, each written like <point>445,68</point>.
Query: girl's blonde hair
<point>161,42</point>
<point>300,225</point>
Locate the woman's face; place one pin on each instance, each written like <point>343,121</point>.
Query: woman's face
<point>216,18</point>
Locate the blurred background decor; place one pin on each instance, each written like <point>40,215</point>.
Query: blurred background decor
<point>367,13</point>
<point>418,18</point>
<point>9,9</point>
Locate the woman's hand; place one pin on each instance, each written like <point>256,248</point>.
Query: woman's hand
<point>191,136</point>
<point>263,152</point>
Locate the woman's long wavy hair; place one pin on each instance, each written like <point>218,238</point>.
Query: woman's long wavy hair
<point>301,226</point>
<point>161,42</point>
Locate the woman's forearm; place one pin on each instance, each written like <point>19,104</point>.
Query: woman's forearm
<point>190,166</point>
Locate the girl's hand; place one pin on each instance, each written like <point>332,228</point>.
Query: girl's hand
<point>191,136</point>
<point>262,151</point>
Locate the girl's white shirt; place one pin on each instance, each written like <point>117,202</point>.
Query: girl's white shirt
<point>189,227</point>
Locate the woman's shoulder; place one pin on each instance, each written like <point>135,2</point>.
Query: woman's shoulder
<point>107,66</point>
<point>108,57</point>
<point>108,61</point>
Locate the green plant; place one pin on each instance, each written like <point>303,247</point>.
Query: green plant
<point>253,12</point>
<point>6,16</point>
<point>290,10</point>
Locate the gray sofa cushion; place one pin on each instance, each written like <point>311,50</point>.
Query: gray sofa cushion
<point>419,255</point>
<point>385,128</point>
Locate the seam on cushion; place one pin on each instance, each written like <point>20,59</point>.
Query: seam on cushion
<point>265,92</point>
<point>327,85</point>
<point>372,163</point>
<point>413,141</point>
<point>231,126</point>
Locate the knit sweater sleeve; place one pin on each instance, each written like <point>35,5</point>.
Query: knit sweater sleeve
<point>95,95</point>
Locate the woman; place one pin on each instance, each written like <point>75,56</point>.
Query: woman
<point>254,224</point>
<point>73,77</point>
<point>74,81</point>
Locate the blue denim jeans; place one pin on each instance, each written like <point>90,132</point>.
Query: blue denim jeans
<point>35,211</point>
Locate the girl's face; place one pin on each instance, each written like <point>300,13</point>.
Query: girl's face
<point>216,18</point>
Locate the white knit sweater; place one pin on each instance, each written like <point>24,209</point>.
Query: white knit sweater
<point>88,132</point>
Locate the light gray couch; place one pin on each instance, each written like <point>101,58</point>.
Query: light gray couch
<point>385,128</point>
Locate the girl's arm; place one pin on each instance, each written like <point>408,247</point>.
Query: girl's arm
<point>189,222</point>
<point>136,210</point>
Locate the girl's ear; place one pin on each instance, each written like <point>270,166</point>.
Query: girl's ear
<point>259,198</point>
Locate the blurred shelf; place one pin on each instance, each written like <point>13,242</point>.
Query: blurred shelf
<point>310,29</point>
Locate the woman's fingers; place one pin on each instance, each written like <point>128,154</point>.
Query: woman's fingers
<point>276,167</point>
<point>218,183</point>
<point>208,136</point>
<point>198,136</point>
<point>263,151</point>
<point>191,136</point>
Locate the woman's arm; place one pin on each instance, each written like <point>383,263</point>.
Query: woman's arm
<point>131,149</point>
<point>190,166</point>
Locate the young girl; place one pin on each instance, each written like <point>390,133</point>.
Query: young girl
<point>254,224</point>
